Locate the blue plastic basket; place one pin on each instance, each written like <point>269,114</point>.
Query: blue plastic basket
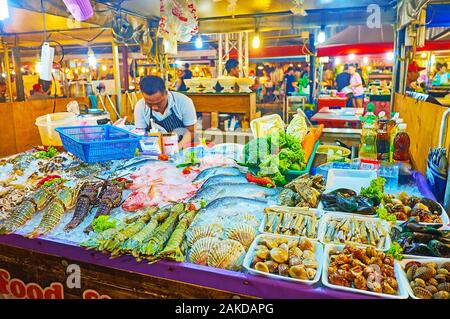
<point>98,143</point>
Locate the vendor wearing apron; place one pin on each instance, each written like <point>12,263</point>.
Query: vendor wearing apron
<point>170,111</point>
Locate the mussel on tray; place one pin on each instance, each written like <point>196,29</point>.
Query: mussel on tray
<point>422,240</point>
<point>348,201</point>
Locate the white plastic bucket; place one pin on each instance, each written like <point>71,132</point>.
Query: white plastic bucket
<point>47,124</point>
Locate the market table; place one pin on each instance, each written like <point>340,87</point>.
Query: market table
<point>47,263</point>
<point>341,118</point>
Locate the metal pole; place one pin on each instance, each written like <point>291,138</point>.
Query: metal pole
<point>240,53</point>
<point>227,46</point>
<point>126,82</point>
<point>312,68</point>
<point>116,69</point>
<point>7,71</point>
<point>220,49</point>
<point>19,80</point>
<point>247,71</point>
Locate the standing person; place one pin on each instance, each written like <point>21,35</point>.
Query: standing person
<point>170,111</point>
<point>2,92</point>
<point>289,79</point>
<point>356,86</point>
<point>342,79</point>
<point>179,84</point>
<point>232,67</point>
<point>441,77</point>
<point>277,75</point>
<point>187,72</point>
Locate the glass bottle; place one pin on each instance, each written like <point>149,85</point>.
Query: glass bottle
<point>368,148</point>
<point>401,144</point>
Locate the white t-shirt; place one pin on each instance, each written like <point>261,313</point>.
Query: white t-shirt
<point>178,103</point>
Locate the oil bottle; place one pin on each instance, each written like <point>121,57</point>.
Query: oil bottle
<point>401,144</point>
<point>368,145</point>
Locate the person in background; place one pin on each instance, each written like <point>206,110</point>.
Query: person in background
<point>187,72</point>
<point>2,92</point>
<point>356,87</point>
<point>179,84</point>
<point>411,77</point>
<point>360,72</point>
<point>46,86</point>
<point>289,79</point>
<point>170,111</point>
<point>441,77</point>
<point>328,76</point>
<point>38,93</point>
<point>110,75</point>
<point>277,75</point>
<point>232,67</point>
<point>342,79</point>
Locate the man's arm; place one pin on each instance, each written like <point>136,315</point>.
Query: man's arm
<point>188,137</point>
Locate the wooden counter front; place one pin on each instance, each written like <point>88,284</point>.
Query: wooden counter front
<point>241,103</point>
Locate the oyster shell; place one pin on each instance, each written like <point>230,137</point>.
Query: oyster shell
<point>242,233</point>
<point>446,266</point>
<point>423,293</point>
<point>262,252</point>
<point>250,220</point>
<point>308,254</point>
<point>271,265</point>
<point>227,254</point>
<point>200,250</point>
<point>202,231</point>
<point>310,263</point>
<point>297,252</point>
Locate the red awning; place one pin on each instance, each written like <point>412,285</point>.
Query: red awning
<point>363,48</point>
<point>435,46</point>
<point>271,52</point>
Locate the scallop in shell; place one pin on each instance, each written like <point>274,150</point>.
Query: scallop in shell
<point>411,272</point>
<point>242,233</point>
<point>425,272</point>
<point>263,252</point>
<point>202,231</point>
<point>308,254</point>
<point>311,273</point>
<point>423,293</point>
<point>227,254</point>
<point>295,251</point>
<point>431,289</point>
<point>445,286</point>
<point>445,265</point>
<point>441,295</point>
<point>200,250</point>
<point>251,220</point>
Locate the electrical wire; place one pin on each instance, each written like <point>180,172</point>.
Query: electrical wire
<point>80,39</point>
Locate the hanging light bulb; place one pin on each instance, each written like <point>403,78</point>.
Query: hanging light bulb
<point>351,56</point>
<point>199,42</point>
<point>321,37</point>
<point>424,55</point>
<point>365,60</point>
<point>390,56</point>
<point>104,68</point>
<point>92,60</point>
<point>4,12</point>
<point>37,67</point>
<point>256,42</point>
<point>337,61</point>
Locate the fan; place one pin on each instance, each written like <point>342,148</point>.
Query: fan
<point>122,29</point>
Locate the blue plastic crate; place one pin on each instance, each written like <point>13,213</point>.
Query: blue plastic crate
<point>98,143</point>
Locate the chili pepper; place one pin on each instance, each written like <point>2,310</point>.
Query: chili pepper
<point>47,179</point>
<point>163,157</point>
<point>192,207</point>
<point>263,181</point>
<point>187,171</point>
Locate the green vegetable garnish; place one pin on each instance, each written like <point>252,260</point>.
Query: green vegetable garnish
<point>382,213</point>
<point>102,223</point>
<point>396,251</point>
<point>53,181</point>
<point>202,203</point>
<point>51,152</point>
<point>376,188</point>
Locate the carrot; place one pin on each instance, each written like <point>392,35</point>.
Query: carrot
<point>308,144</point>
<point>318,132</point>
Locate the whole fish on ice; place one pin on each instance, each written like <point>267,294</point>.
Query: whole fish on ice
<point>234,205</point>
<point>221,179</point>
<point>245,190</point>
<point>218,170</point>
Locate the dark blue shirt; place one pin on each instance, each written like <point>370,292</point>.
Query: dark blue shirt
<point>187,74</point>
<point>342,80</point>
<point>289,78</point>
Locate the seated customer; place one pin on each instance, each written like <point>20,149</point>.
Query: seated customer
<point>38,93</point>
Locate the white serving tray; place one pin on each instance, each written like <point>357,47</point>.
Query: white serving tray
<point>438,261</point>
<point>444,217</point>
<point>402,291</point>
<point>349,178</point>
<point>318,253</point>
<point>319,213</point>
<point>326,218</point>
